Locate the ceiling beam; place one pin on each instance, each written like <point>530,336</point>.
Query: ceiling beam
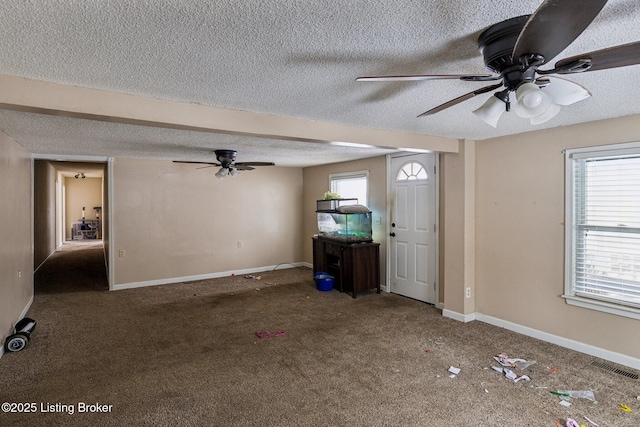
<point>21,94</point>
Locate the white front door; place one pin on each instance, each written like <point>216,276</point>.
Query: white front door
<point>412,237</point>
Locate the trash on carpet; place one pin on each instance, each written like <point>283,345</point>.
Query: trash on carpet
<point>454,371</point>
<point>262,334</point>
<point>252,277</point>
<point>571,423</point>
<point>505,360</point>
<point>576,394</point>
<point>592,422</point>
<point>510,374</point>
<point>624,407</point>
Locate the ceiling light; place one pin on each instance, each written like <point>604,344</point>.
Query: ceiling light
<point>491,111</point>
<point>531,101</point>
<point>233,172</point>
<point>564,92</point>
<point>222,173</point>
<point>549,114</point>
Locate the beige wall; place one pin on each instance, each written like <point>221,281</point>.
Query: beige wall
<point>44,203</point>
<point>16,253</point>
<point>520,234</point>
<point>174,220</point>
<point>457,228</point>
<point>78,193</point>
<point>316,182</point>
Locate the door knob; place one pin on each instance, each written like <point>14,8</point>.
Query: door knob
<point>392,234</point>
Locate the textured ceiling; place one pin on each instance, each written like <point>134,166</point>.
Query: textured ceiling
<point>288,58</point>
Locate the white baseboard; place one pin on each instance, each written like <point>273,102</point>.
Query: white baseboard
<point>25,310</point>
<point>45,260</point>
<point>170,280</point>
<point>465,318</point>
<point>602,353</point>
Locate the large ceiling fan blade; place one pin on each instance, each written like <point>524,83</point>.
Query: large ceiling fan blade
<point>421,77</point>
<point>554,26</point>
<point>460,99</point>
<point>197,163</point>
<point>612,57</point>
<point>242,167</point>
<point>254,164</point>
<point>565,92</point>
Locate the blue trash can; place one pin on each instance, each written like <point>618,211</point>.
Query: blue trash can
<point>324,281</point>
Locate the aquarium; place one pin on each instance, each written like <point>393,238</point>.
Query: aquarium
<point>346,224</point>
<point>332,204</point>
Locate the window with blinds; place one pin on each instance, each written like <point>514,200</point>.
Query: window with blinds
<point>351,185</point>
<point>603,225</point>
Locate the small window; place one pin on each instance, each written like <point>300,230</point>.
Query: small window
<point>351,185</point>
<point>411,171</point>
<point>603,229</point>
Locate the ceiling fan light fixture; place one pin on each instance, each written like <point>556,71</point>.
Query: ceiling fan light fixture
<point>222,173</point>
<point>491,111</point>
<point>565,92</point>
<point>531,101</point>
<point>549,114</point>
<point>233,172</point>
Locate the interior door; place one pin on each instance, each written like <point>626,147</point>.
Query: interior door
<point>412,237</point>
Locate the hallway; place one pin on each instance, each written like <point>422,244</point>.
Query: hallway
<point>78,266</point>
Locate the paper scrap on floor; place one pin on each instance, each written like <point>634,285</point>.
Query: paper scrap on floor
<point>510,374</point>
<point>505,360</point>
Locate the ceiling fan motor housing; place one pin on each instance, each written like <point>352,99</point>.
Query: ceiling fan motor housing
<point>496,44</point>
<point>226,157</point>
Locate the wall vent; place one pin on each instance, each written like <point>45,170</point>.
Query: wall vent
<point>608,367</point>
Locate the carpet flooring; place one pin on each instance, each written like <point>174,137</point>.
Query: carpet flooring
<point>274,351</point>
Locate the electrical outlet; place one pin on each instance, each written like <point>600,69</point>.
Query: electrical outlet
<point>19,274</point>
<point>468,293</point>
<point>121,253</point>
<point>239,244</point>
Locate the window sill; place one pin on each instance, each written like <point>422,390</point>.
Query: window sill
<point>606,307</point>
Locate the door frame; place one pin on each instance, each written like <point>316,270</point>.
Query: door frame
<point>436,182</point>
<point>108,196</point>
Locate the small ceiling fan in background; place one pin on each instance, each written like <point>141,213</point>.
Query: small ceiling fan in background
<point>228,165</point>
<point>515,49</point>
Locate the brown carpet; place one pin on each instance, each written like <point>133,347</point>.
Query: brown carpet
<point>187,354</point>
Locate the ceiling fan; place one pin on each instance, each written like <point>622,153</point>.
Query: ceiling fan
<point>228,164</point>
<point>515,49</point>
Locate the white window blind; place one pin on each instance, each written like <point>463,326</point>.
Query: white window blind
<point>605,244</point>
<point>351,185</point>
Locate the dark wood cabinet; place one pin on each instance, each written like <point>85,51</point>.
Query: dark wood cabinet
<point>355,266</point>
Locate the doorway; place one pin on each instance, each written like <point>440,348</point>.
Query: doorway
<point>412,240</point>
<point>69,212</point>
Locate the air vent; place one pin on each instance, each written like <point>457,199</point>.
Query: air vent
<point>608,367</point>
